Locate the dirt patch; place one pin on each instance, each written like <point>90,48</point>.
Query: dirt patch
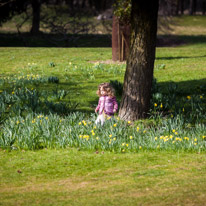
<point>109,61</point>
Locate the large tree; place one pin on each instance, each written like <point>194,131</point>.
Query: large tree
<point>140,64</point>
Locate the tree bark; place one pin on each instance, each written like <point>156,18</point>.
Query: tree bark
<point>120,40</point>
<point>182,6</point>
<point>36,7</point>
<point>203,7</point>
<point>193,4</point>
<point>177,7</point>
<point>136,96</point>
<point>115,39</point>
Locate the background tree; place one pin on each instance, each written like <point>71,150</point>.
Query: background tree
<point>121,30</point>
<point>36,8</point>
<point>140,64</point>
<point>9,8</point>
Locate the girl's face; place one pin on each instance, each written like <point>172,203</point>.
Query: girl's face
<point>102,91</point>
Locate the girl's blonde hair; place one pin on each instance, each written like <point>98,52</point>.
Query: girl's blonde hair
<point>107,88</point>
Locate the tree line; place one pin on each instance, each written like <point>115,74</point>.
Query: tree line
<point>10,8</point>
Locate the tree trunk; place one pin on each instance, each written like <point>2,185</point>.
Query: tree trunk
<point>136,96</point>
<point>193,5</point>
<point>120,40</point>
<point>36,6</point>
<point>182,6</point>
<point>115,39</point>
<point>177,7</point>
<point>203,7</point>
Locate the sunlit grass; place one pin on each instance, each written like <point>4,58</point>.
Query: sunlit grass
<point>71,177</point>
<point>158,161</point>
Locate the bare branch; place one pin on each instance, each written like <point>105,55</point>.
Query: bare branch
<point>3,4</point>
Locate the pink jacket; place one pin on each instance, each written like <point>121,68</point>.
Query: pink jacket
<point>108,104</point>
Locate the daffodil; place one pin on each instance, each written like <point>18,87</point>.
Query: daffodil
<point>155,104</point>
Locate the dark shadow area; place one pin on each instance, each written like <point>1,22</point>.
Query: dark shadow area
<point>181,89</point>
<point>178,40</point>
<point>54,40</point>
<point>179,57</point>
<point>184,88</point>
<point>86,40</point>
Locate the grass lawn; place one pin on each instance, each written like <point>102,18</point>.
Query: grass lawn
<point>185,66</point>
<point>73,176</point>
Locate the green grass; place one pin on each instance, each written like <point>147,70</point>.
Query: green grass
<point>71,177</point>
<point>74,176</point>
<point>183,65</point>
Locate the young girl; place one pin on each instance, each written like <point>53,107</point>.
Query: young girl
<point>107,105</point>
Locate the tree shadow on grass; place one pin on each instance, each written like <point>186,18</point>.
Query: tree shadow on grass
<point>179,40</point>
<point>182,89</point>
<point>54,40</point>
<point>190,87</point>
<point>180,57</point>
<point>86,40</point>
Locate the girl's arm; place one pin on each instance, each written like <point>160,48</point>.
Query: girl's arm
<point>115,104</point>
<point>98,106</point>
